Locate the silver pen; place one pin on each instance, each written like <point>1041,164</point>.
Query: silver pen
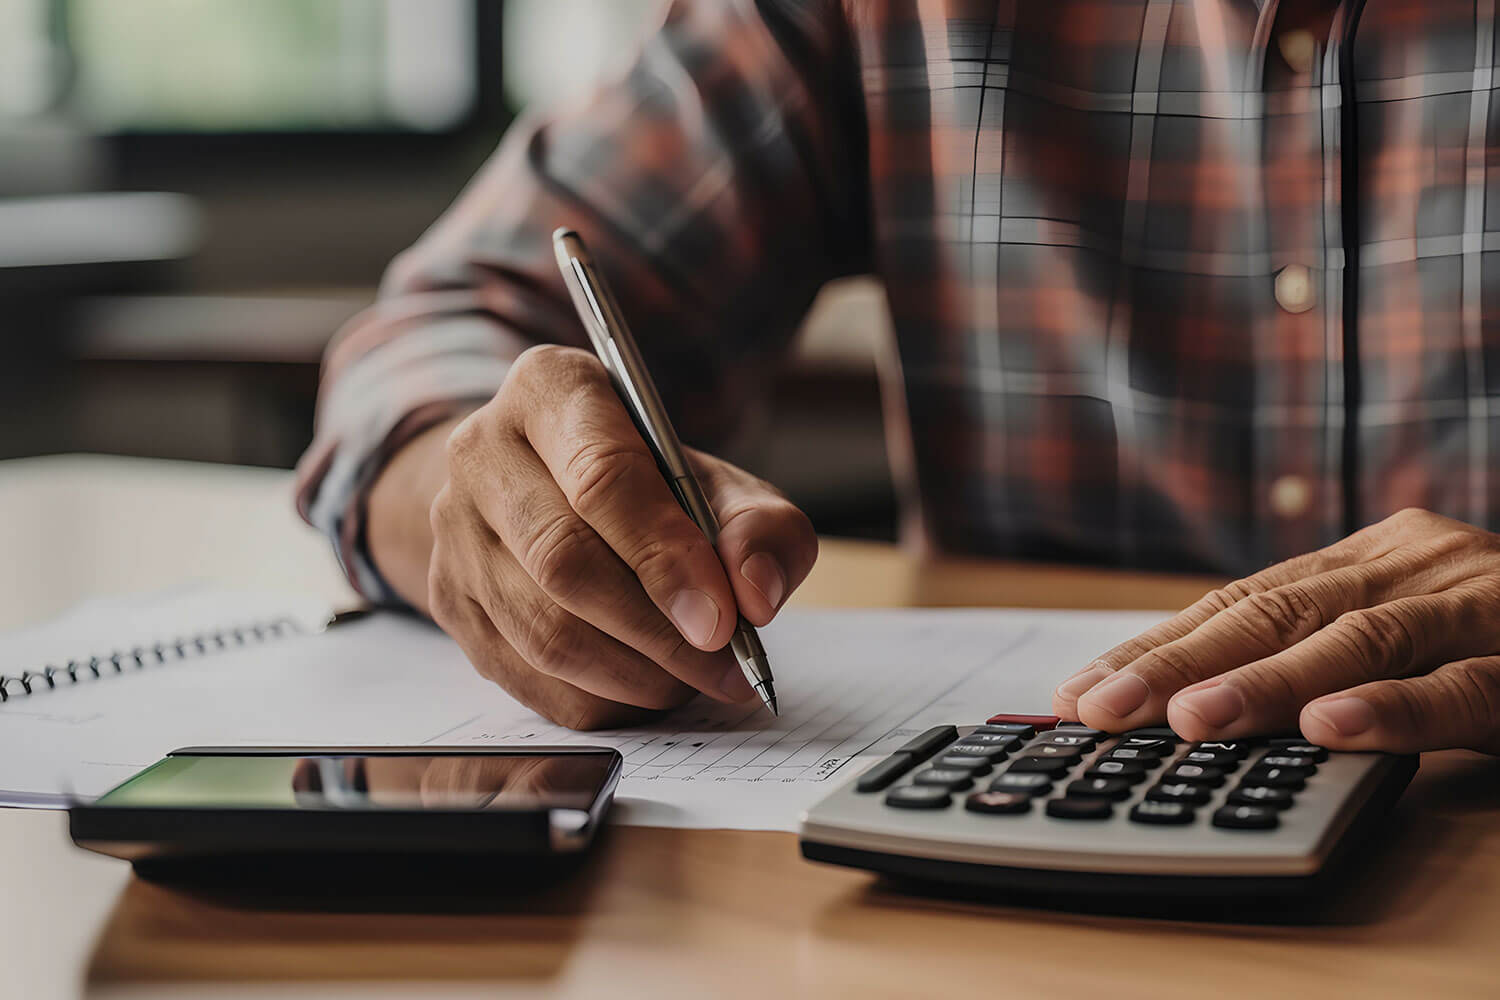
<point>616,348</point>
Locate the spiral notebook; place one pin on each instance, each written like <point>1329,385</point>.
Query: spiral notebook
<point>109,688</point>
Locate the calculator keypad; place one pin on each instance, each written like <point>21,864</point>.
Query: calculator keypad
<point>1084,774</point>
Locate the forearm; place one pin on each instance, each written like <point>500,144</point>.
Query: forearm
<point>397,525</point>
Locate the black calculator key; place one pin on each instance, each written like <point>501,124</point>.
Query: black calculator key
<point>954,780</point>
<point>1066,738</point>
<point>1305,764</point>
<point>918,797</point>
<point>1276,777</point>
<point>1080,808</point>
<point>1195,774</point>
<point>973,765</point>
<point>1053,767</point>
<point>1162,813</point>
<point>1238,748</point>
<point>1247,818</point>
<point>1159,747</point>
<point>1019,729</point>
<point>1055,752</point>
<point>1179,791</point>
<point>1145,759</point>
<point>1113,789</point>
<point>988,754</point>
<point>1079,729</point>
<point>930,742</point>
<point>1025,784</point>
<point>1211,758</point>
<point>887,771</point>
<point>1001,803</point>
<point>1126,770</point>
<point>1297,748</point>
<point>1006,740</point>
<point>1155,733</point>
<point>1261,795</point>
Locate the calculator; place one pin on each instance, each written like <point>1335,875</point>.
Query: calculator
<point>1033,803</point>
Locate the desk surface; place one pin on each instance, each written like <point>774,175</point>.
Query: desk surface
<point>671,912</point>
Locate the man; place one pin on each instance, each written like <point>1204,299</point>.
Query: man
<point>1198,284</point>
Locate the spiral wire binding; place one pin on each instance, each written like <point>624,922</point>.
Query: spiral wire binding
<point>46,678</point>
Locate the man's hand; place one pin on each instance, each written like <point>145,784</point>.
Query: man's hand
<point>1384,641</point>
<point>564,567</point>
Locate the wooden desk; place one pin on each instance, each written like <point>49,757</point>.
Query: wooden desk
<point>671,912</point>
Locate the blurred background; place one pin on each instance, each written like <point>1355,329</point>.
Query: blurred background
<point>195,194</point>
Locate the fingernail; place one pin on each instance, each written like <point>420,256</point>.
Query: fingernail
<point>1347,716</point>
<point>695,615</point>
<point>765,575</point>
<point>734,685</point>
<point>1082,681</point>
<point>1217,706</point>
<point>1120,695</point>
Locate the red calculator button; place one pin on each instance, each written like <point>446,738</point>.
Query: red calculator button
<point>1039,721</point>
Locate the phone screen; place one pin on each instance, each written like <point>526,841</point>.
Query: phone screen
<point>369,781</point>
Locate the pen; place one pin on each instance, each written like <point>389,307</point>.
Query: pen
<point>616,348</point>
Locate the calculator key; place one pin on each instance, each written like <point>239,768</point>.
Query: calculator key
<point>954,780</point>
<point>1025,784</point>
<point>918,797</point>
<point>1079,729</point>
<point>988,754</point>
<point>1056,752</point>
<point>1297,748</point>
<point>954,761</point>
<point>1053,767</point>
<point>1040,722</point>
<point>1247,818</point>
<point>1195,774</point>
<point>1162,813</point>
<point>1238,748</point>
<point>1261,795</point>
<point>887,771</point>
<point>1019,729</point>
<point>1149,761</point>
<point>1005,740</point>
<point>1113,789</point>
<point>1066,738</point>
<point>1179,791</point>
<point>1306,764</point>
<point>999,803</point>
<point>1157,746</point>
<point>1080,808</point>
<point>1155,733</point>
<point>1276,777</point>
<point>1127,770</point>
<point>930,742</point>
<point>1211,758</point>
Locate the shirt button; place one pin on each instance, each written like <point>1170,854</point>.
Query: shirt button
<point>1299,49</point>
<point>1290,496</point>
<point>1294,290</point>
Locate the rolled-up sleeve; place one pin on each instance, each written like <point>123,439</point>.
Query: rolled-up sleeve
<point>719,183</point>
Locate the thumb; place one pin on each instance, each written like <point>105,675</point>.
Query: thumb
<point>766,543</point>
<point>1457,705</point>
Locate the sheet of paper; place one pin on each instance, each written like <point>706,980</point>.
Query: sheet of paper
<point>853,684</point>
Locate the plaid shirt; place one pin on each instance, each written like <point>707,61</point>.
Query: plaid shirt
<point>1175,283</point>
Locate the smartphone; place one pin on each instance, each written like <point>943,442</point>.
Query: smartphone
<point>241,806</point>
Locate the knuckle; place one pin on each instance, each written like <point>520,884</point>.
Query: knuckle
<point>1286,615</point>
<point>559,557</point>
<point>1476,691</point>
<point>1171,667</point>
<point>1223,598</point>
<point>1378,637</point>
<point>553,642</point>
<point>442,595</point>
<point>543,364</point>
<point>596,470</point>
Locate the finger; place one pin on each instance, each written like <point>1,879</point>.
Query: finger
<point>1457,705</point>
<point>1389,640</point>
<point>571,577</point>
<point>604,468</point>
<point>560,644</point>
<point>765,541</point>
<point>470,627</point>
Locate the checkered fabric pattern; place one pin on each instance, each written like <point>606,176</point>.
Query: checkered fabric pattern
<point>1170,288</point>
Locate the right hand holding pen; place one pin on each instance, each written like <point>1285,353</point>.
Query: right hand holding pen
<point>565,569</point>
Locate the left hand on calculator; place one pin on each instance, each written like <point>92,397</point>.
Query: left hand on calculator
<point>1386,640</point>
